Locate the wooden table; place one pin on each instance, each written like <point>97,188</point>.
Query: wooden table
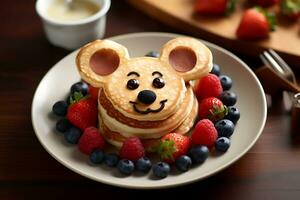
<point>271,169</point>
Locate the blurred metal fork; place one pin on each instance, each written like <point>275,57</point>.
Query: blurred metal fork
<point>272,60</point>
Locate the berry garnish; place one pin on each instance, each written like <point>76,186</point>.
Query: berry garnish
<point>214,7</point>
<point>228,98</point>
<point>204,133</point>
<point>216,70</point>
<point>111,159</point>
<point>222,144</point>
<point>161,169</point>
<point>132,149</point>
<point>83,111</point>
<point>233,114</point>
<point>60,108</point>
<point>81,87</point>
<point>97,156</point>
<point>72,135</point>
<point>63,125</point>
<point>183,163</point>
<point>290,9</point>
<point>212,108</point>
<point>208,86</point>
<point>226,82</point>
<point>143,164</point>
<point>256,23</point>
<point>225,128</point>
<point>125,166</point>
<point>198,154</point>
<point>172,146</point>
<point>91,140</point>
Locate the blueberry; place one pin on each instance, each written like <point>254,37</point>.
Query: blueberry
<point>161,169</point>
<point>60,108</point>
<point>125,166</point>
<point>233,114</point>
<point>225,128</point>
<point>228,98</point>
<point>198,154</point>
<point>63,125</point>
<point>222,144</point>
<point>183,163</point>
<point>154,54</point>
<point>80,87</point>
<point>143,164</point>
<point>97,156</point>
<point>72,135</point>
<point>226,82</point>
<point>111,159</point>
<point>216,70</point>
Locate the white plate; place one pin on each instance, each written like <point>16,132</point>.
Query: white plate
<point>56,83</point>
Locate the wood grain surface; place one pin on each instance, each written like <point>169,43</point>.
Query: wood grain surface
<point>270,170</point>
<point>181,14</point>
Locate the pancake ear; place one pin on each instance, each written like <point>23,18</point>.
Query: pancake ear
<point>97,60</point>
<point>189,57</point>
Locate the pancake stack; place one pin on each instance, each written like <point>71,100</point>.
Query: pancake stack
<point>116,127</point>
<point>144,97</point>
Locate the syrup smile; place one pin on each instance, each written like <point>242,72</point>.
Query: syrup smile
<point>148,110</point>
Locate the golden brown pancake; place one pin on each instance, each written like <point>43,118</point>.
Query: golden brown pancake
<point>146,109</point>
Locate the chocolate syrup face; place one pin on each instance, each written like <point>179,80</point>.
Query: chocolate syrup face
<point>149,110</point>
<point>132,84</point>
<point>146,97</point>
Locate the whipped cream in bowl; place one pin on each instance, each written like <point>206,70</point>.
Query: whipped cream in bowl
<point>71,26</point>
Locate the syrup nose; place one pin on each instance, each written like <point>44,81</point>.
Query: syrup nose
<point>146,96</point>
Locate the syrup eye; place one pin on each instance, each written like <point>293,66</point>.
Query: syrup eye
<point>132,84</point>
<point>158,83</point>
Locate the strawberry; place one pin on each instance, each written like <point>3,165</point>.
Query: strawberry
<point>93,91</point>
<point>212,108</point>
<point>264,3</point>
<point>172,146</point>
<point>256,23</point>
<point>91,140</point>
<point>208,86</point>
<point>83,111</point>
<point>214,7</point>
<point>204,133</point>
<point>290,9</point>
<point>132,149</point>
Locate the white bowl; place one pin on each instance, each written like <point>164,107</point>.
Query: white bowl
<point>74,34</point>
<point>55,86</point>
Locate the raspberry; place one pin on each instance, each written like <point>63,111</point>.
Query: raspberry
<point>132,149</point>
<point>209,86</point>
<point>204,133</point>
<point>91,140</point>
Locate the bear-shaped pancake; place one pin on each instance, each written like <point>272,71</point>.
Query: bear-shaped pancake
<point>144,96</point>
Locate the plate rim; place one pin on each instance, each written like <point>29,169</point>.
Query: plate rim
<point>189,181</point>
